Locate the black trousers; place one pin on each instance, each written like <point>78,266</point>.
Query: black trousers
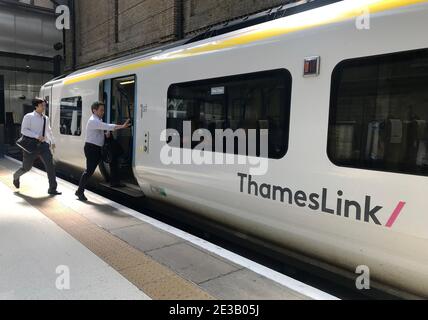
<point>93,159</point>
<point>45,155</point>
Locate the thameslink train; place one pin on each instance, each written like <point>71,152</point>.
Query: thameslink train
<point>343,92</point>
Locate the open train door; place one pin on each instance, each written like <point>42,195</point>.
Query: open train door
<point>120,96</point>
<point>46,93</point>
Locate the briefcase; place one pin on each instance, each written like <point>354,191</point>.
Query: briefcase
<point>28,145</point>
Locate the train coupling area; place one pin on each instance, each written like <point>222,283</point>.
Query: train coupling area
<point>58,248</point>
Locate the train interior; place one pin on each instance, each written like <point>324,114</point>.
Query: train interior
<point>119,96</point>
<point>381,114</point>
<point>247,102</point>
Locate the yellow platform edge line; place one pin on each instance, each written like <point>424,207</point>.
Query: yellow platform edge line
<point>154,279</point>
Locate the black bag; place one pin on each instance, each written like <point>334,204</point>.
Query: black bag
<point>111,150</point>
<point>107,153</point>
<point>31,145</point>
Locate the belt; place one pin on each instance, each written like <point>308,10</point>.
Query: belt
<point>92,145</point>
<point>31,138</point>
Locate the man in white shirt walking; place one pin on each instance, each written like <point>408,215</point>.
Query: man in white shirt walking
<point>36,126</point>
<point>95,138</point>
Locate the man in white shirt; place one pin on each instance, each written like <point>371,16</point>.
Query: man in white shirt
<point>36,126</point>
<point>95,138</point>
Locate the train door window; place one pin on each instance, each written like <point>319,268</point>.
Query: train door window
<point>119,96</point>
<point>47,112</point>
<point>71,116</point>
<point>379,113</point>
<point>250,102</point>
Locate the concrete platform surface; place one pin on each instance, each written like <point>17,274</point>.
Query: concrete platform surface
<point>116,253</point>
<point>39,260</point>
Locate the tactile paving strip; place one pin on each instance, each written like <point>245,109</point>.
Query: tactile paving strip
<point>154,279</point>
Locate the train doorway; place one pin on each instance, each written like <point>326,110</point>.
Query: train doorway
<point>2,102</point>
<point>2,117</point>
<point>119,96</point>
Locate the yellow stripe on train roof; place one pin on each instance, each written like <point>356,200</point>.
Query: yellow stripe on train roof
<point>342,11</point>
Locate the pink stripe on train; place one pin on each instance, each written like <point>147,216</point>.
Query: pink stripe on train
<point>395,214</point>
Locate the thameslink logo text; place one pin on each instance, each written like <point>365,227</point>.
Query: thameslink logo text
<point>318,201</point>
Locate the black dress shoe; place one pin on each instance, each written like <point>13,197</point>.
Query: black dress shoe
<point>54,193</point>
<point>16,184</point>
<point>81,196</point>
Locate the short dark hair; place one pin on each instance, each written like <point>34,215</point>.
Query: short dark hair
<point>96,105</point>
<point>36,101</point>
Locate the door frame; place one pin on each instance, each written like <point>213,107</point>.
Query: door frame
<point>108,90</point>
<point>2,101</point>
<point>48,93</point>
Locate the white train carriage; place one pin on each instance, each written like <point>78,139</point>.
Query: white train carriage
<point>347,111</point>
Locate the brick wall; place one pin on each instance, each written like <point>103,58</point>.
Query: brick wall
<point>110,28</point>
<point>200,14</point>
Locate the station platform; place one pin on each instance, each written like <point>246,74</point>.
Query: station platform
<point>58,248</point>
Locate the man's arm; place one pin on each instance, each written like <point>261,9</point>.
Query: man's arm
<point>26,128</point>
<point>99,125</point>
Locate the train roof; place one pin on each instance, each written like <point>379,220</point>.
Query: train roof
<point>297,21</point>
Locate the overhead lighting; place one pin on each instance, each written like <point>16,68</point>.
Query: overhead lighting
<point>127,82</point>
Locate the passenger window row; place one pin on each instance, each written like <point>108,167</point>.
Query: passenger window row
<point>378,111</point>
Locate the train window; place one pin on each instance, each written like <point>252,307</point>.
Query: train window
<point>71,116</point>
<point>252,101</point>
<point>379,113</point>
<point>47,112</point>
